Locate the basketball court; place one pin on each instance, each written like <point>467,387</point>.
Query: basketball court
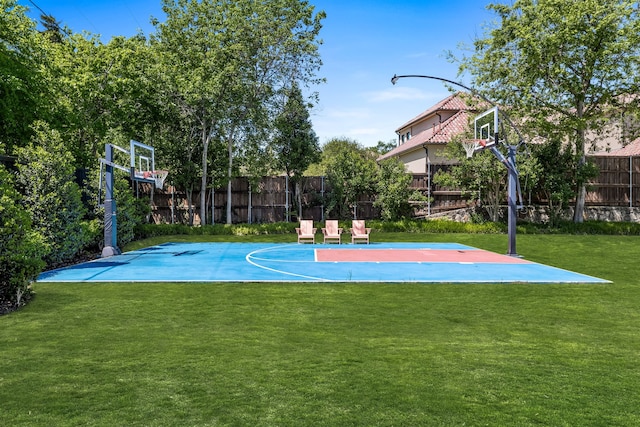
<point>284,262</point>
<point>294,262</point>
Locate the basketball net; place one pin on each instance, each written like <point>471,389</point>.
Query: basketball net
<point>471,145</point>
<point>159,177</point>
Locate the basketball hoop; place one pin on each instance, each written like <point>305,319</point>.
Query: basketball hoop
<point>471,145</point>
<point>159,177</point>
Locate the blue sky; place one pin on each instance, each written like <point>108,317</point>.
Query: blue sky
<point>366,42</point>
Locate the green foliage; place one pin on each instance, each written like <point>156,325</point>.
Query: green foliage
<point>23,89</point>
<point>152,230</point>
<point>295,142</point>
<point>51,195</point>
<point>584,228</point>
<point>435,226</point>
<point>481,177</point>
<point>234,58</point>
<point>557,179</point>
<point>351,171</point>
<point>565,66</point>
<point>384,147</point>
<point>393,190</point>
<point>130,211</point>
<point>21,247</point>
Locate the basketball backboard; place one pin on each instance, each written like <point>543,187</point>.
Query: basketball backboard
<point>143,163</point>
<point>486,125</point>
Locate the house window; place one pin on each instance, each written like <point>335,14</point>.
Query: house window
<point>408,135</point>
<point>402,139</point>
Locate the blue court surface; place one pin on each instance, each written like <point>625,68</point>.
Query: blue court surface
<point>273,262</point>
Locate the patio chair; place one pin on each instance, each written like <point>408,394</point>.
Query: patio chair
<point>331,231</point>
<point>306,232</point>
<point>359,232</point>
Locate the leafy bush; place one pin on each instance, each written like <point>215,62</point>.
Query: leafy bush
<point>435,226</point>
<point>152,230</point>
<point>393,190</point>
<point>21,247</point>
<point>50,194</point>
<point>400,226</point>
<point>586,227</point>
<point>130,211</point>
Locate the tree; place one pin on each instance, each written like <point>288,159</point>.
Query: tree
<point>351,171</point>
<point>233,55</point>
<point>101,88</point>
<point>567,66</point>
<point>384,147</point>
<point>555,181</point>
<point>23,92</point>
<point>295,143</point>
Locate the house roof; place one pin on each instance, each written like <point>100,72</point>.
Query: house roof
<point>442,133</point>
<point>631,149</point>
<point>454,102</point>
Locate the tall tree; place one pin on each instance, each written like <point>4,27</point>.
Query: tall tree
<point>102,87</point>
<point>567,66</point>
<point>295,142</point>
<point>233,55</point>
<point>23,90</point>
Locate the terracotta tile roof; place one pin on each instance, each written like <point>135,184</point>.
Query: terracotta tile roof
<point>439,134</point>
<point>631,149</point>
<point>453,102</point>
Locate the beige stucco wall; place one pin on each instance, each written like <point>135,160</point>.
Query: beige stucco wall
<point>415,161</point>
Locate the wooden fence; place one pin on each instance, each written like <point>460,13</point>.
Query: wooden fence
<point>618,184</point>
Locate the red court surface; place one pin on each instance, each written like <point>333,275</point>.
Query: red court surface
<point>414,255</point>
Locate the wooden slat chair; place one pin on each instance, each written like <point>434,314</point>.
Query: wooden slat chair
<point>359,232</point>
<point>306,232</point>
<point>331,231</point>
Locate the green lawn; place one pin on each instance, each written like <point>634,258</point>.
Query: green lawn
<point>336,354</point>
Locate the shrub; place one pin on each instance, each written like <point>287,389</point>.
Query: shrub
<point>393,190</point>
<point>50,194</point>
<point>21,247</point>
<point>130,211</point>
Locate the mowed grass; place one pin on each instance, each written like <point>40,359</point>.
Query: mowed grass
<point>259,354</point>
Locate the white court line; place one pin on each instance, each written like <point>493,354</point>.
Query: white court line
<point>249,260</point>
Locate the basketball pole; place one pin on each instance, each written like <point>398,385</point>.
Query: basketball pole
<point>509,162</point>
<point>110,226</point>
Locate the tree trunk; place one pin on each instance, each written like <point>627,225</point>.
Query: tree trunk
<point>190,205</point>
<point>229,176</point>
<point>581,190</point>
<point>203,186</point>
<point>298,188</point>
<point>578,213</point>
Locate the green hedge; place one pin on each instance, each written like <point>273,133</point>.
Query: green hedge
<point>21,248</point>
<point>406,226</point>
